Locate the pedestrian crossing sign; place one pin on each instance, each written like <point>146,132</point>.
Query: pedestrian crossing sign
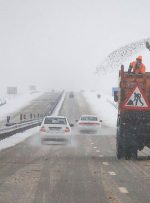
<point>136,100</point>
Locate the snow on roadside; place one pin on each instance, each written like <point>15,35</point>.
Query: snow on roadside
<point>20,137</point>
<point>17,138</point>
<point>59,105</point>
<point>104,107</point>
<point>16,103</point>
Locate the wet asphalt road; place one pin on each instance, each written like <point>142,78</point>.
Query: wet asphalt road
<point>85,171</point>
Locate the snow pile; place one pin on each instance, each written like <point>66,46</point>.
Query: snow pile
<point>59,105</point>
<point>17,138</point>
<point>17,102</point>
<point>104,107</point>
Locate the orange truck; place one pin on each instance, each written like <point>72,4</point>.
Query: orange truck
<point>133,122</point>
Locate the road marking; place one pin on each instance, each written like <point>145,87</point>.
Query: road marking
<point>92,143</point>
<point>94,147</point>
<point>123,190</point>
<point>101,155</point>
<point>105,163</point>
<point>112,173</point>
<point>97,151</point>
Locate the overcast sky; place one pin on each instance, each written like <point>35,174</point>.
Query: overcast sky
<point>58,43</point>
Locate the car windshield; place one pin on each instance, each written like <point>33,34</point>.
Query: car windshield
<point>89,118</point>
<point>55,120</point>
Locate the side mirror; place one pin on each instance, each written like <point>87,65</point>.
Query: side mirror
<point>71,125</point>
<point>101,121</point>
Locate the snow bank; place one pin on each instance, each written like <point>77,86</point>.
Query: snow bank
<point>17,102</point>
<point>104,107</point>
<point>59,105</point>
<point>17,138</point>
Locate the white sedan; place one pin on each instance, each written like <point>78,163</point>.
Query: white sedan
<point>89,123</point>
<point>55,128</point>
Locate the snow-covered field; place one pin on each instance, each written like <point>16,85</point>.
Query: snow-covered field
<point>14,103</point>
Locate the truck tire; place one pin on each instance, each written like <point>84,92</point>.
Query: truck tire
<point>135,154</point>
<point>119,148</point>
<point>119,152</point>
<point>128,155</point>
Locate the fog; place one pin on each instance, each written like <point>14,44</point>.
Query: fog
<point>57,44</point>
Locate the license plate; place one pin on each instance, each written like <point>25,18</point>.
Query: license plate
<point>55,128</point>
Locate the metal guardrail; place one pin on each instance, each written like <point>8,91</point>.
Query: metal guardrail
<point>19,125</point>
<point>22,126</point>
<point>17,128</point>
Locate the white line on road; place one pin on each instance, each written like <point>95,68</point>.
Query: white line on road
<point>101,155</point>
<point>92,143</point>
<point>105,163</point>
<point>123,190</point>
<point>94,147</point>
<point>97,151</point>
<point>112,173</point>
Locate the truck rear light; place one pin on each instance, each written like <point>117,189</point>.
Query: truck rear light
<point>67,130</point>
<point>42,129</point>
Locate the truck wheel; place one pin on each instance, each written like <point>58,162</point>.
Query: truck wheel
<point>119,151</point>
<point>119,154</point>
<point>135,154</point>
<point>127,154</point>
<point>127,157</point>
